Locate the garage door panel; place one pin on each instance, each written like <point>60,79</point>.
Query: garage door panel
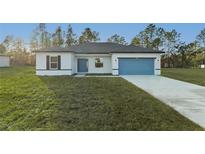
<point>127,63</point>
<point>136,66</point>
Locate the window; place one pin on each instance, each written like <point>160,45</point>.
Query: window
<point>54,63</point>
<point>98,62</point>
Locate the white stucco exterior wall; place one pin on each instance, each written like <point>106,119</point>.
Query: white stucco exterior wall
<point>157,61</point>
<point>4,61</point>
<point>69,64</point>
<point>107,65</point>
<point>66,63</point>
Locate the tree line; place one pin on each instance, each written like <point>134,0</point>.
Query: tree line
<point>177,52</point>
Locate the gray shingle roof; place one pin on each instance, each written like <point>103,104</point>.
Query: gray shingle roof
<point>101,48</point>
<point>134,49</point>
<point>54,49</point>
<point>89,48</point>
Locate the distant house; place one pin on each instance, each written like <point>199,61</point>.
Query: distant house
<point>4,61</point>
<point>98,58</point>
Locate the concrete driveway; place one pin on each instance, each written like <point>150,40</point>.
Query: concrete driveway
<point>188,99</point>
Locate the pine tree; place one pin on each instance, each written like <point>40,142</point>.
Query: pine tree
<point>58,37</point>
<point>89,36</point>
<point>71,38</point>
<point>117,39</point>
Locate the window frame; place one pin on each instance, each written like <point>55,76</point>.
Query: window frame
<point>99,63</point>
<point>54,63</point>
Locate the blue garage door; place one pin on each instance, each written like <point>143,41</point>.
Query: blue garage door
<point>136,66</point>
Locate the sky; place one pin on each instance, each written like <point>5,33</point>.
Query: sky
<point>128,30</point>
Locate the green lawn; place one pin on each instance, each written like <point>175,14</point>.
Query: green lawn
<point>196,76</point>
<point>29,102</point>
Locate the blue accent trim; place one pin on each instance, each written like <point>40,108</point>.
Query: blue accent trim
<point>115,69</point>
<point>157,69</point>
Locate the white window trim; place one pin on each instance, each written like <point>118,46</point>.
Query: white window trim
<point>53,62</point>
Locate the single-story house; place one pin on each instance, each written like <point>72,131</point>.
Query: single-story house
<point>4,61</point>
<point>98,58</point>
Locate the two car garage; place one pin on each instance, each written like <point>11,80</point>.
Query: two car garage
<point>136,66</point>
<point>136,60</point>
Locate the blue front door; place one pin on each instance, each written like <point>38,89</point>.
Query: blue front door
<point>136,66</point>
<point>82,65</point>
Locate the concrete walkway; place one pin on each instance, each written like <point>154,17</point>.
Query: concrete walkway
<point>188,99</point>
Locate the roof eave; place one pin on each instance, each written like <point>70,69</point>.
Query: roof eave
<point>52,51</point>
<point>92,52</point>
<point>138,52</point>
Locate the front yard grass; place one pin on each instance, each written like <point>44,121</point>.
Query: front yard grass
<point>195,76</point>
<point>29,102</point>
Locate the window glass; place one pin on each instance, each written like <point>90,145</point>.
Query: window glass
<point>98,62</point>
<point>54,63</point>
<point>54,59</point>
